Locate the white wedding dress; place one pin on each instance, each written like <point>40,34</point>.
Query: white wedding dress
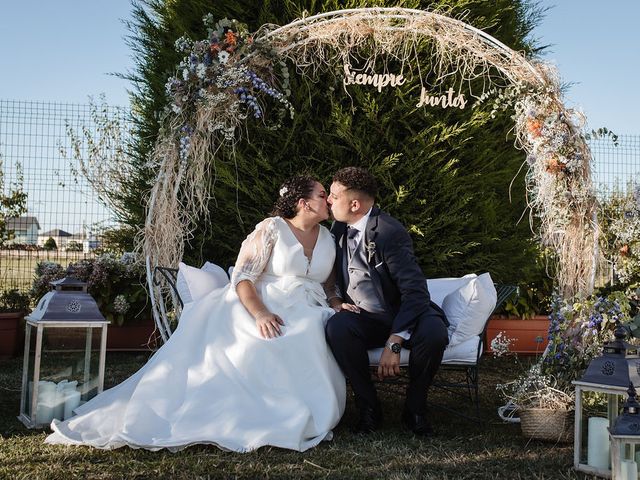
<point>217,380</point>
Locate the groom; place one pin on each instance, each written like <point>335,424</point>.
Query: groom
<point>378,275</point>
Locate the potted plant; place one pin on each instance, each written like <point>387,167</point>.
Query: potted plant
<point>13,307</point>
<point>524,318</point>
<point>543,404</point>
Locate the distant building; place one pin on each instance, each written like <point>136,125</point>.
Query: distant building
<point>59,236</point>
<point>25,230</point>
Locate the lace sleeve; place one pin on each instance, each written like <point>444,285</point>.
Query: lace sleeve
<point>255,252</point>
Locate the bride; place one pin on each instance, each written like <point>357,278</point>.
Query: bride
<point>248,365</point>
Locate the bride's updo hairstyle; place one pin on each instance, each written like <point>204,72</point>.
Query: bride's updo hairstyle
<point>292,190</point>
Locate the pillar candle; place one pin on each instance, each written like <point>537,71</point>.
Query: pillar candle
<point>598,443</point>
<point>58,407</point>
<point>629,470</point>
<point>71,402</point>
<point>46,401</point>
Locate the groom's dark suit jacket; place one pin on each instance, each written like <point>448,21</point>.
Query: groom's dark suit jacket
<point>393,268</point>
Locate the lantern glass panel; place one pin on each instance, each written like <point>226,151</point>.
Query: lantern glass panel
<point>594,441</point>
<point>69,368</point>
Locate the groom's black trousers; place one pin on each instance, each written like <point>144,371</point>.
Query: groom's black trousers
<point>350,335</point>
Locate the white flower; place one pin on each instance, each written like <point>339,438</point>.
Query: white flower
<point>201,70</point>
<point>283,191</point>
<point>185,74</point>
<point>500,344</point>
<point>223,56</point>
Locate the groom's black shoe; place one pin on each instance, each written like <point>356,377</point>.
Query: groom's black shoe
<point>370,420</point>
<point>418,424</point>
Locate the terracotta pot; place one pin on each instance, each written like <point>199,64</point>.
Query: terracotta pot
<point>530,335</point>
<point>135,336</point>
<point>11,334</point>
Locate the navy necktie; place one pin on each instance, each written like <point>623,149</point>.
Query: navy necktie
<point>351,240</point>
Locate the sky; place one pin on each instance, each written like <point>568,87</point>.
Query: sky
<point>65,50</point>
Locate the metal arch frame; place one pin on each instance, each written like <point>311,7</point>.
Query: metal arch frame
<point>397,13</point>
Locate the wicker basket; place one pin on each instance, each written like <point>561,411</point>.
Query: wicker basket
<point>546,424</point>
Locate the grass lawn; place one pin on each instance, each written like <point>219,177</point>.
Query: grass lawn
<point>462,450</point>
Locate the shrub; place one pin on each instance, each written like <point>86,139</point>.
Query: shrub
<point>14,301</point>
<point>50,244</point>
<point>115,283</point>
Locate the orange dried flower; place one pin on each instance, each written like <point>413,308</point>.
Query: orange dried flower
<point>230,38</point>
<point>555,166</point>
<point>215,48</point>
<point>534,127</point>
<point>624,250</point>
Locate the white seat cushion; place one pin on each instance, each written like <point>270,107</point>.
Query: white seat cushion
<point>469,307</point>
<point>465,353</point>
<point>193,283</point>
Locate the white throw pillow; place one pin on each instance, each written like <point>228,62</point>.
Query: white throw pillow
<point>194,283</point>
<point>441,287</point>
<point>468,308</point>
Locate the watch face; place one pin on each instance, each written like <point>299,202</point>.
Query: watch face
<point>395,347</point>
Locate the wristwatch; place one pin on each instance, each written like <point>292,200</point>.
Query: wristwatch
<point>394,347</point>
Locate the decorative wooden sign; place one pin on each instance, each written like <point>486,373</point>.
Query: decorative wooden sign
<point>378,80</point>
<point>444,101</point>
<point>383,80</point>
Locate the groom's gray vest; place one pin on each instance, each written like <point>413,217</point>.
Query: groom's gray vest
<point>360,288</point>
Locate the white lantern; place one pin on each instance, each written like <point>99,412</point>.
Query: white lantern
<point>63,364</point>
<point>611,374</point>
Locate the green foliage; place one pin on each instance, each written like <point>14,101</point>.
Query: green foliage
<point>579,328</point>
<point>445,174</point>
<point>619,222</point>
<point>115,283</point>
<point>73,246</point>
<point>50,244</point>
<point>14,301</point>
<point>12,203</point>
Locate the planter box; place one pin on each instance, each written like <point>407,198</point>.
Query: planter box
<point>11,334</point>
<point>530,335</point>
<point>136,336</point>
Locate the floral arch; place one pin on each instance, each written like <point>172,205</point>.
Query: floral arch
<point>233,76</point>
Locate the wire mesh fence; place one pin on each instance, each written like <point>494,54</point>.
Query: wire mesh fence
<point>63,218</point>
<point>43,144</point>
<point>616,165</point>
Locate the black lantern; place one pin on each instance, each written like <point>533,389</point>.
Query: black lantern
<point>63,360</point>
<point>619,364</point>
<point>624,436</point>
<point>611,373</point>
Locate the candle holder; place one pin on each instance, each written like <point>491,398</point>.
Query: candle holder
<point>611,374</point>
<point>624,435</point>
<point>63,363</point>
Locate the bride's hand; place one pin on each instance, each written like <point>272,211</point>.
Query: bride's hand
<point>269,324</point>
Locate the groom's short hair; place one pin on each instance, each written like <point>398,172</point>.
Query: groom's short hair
<point>356,178</point>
